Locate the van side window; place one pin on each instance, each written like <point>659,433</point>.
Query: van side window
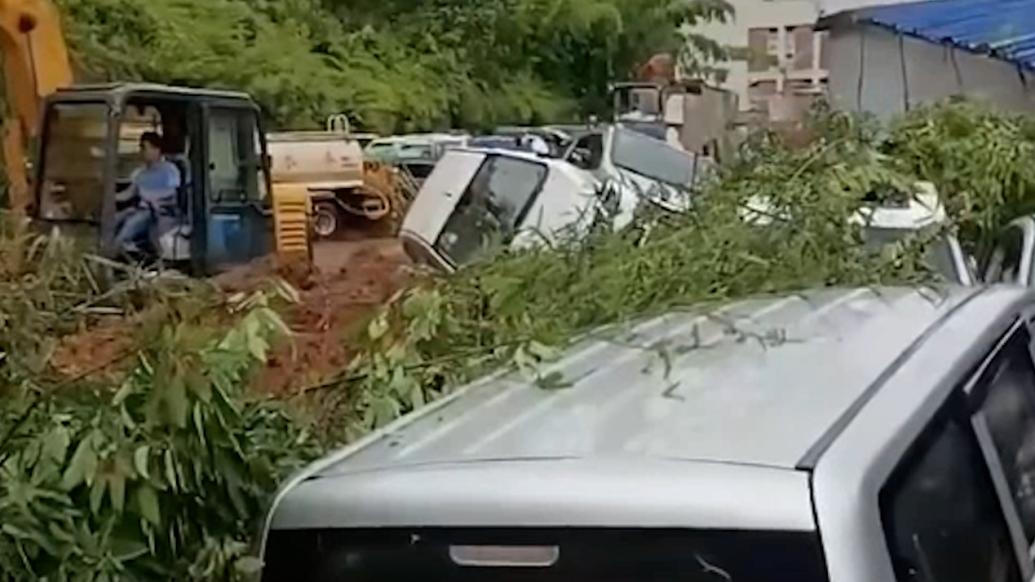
<point>941,518</point>
<point>1009,413</point>
<point>588,152</point>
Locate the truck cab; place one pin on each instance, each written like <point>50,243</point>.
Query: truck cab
<point>88,151</point>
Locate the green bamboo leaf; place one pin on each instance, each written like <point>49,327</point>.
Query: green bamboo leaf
<point>141,456</point>
<point>199,423</point>
<point>117,491</point>
<point>176,402</point>
<point>55,447</point>
<point>378,327</point>
<point>248,566</point>
<point>147,504</point>
<point>170,471</point>
<point>97,491</point>
<point>258,347</point>
<point>82,466</point>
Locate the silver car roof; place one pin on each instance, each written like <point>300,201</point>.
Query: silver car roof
<point>690,419</point>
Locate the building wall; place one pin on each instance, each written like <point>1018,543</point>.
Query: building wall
<point>875,70</point>
<point>775,43</point>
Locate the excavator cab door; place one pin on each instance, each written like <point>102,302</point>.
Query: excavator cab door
<point>74,171</point>
<point>238,216</point>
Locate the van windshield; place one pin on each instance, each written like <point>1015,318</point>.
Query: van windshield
<point>652,158</point>
<point>526,555</point>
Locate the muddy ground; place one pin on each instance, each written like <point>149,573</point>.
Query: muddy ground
<point>350,279</point>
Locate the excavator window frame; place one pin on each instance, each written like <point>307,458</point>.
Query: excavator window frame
<point>39,159</point>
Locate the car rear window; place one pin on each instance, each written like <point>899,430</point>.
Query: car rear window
<point>555,555</point>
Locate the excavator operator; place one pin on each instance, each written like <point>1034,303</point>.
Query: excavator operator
<point>152,190</point>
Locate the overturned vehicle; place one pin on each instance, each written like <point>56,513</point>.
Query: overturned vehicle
<point>479,199</point>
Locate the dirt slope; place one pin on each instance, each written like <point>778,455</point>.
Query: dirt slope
<point>349,280</point>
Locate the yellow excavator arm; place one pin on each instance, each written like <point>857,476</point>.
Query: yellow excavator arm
<point>35,64</point>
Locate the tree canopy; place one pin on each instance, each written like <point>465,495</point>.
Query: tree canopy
<point>392,65</point>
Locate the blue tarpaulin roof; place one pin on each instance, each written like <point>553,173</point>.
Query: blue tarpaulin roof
<point>1002,28</point>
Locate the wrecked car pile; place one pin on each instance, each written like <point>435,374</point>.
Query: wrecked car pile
<point>479,198</point>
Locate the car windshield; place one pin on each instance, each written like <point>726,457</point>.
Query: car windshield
<point>495,141</point>
<point>416,150</point>
<point>381,150</point>
<point>72,185</point>
<point>569,555</point>
<point>940,256</point>
<point>652,158</point>
<point>490,210</point>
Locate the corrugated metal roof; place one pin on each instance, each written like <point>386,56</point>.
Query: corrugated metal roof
<point>1004,29</point>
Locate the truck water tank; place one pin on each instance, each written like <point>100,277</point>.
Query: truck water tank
<point>321,160</point>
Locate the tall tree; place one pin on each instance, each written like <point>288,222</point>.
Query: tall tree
<point>393,65</point>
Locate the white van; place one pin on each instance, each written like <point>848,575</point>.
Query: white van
<point>647,167</point>
<point>477,199</point>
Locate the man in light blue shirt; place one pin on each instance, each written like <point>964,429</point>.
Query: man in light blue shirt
<point>154,187</point>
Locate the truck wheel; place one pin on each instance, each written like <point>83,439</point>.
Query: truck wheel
<point>326,219</point>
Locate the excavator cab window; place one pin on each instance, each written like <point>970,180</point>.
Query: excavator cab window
<point>72,162</point>
<point>134,122</point>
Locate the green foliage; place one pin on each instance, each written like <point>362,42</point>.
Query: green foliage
<point>515,311</point>
<point>163,479</point>
<point>157,472</point>
<point>981,159</point>
<point>393,65</point>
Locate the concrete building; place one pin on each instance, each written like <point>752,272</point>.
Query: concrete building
<point>776,56</point>
<point>889,59</point>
